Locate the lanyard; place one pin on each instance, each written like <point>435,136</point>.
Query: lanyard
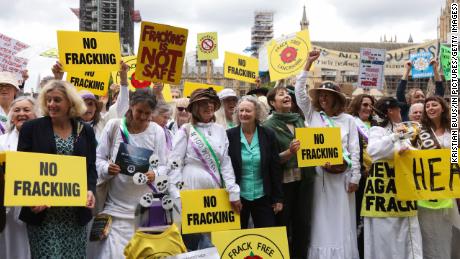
<point>124,131</point>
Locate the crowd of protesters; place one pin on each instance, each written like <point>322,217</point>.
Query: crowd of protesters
<point>252,150</point>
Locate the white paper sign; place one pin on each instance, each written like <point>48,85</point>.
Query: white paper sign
<point>371,65</point>
<point>8,61</point>
<point>208,253</point>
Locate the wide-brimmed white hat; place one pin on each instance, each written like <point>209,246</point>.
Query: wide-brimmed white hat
<point>330,87</point>
<point>9,78</point>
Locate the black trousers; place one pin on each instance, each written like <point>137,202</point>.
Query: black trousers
<point>260,210</point>
<point>297,211</point>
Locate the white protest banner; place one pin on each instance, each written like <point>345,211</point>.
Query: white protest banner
<point>371,65</point>
<point>9,47</point>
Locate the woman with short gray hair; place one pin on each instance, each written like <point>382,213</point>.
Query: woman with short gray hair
<point>253,150</point>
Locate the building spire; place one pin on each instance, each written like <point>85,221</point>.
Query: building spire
<point>410,39</point>
<point>304,22</point>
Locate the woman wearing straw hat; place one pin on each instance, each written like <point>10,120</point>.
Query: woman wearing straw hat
<point>199,157</point>
<point>333,221</point>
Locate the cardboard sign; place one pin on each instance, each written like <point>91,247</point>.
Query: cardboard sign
<point>380,194</point>
<point>189,87</point>
<point>161,53</point>
<point>207,211</point>
<point>133,82</point>
<point>445,61</point>
<point>426,175</point>
<point>318,146</point>
<point>421,67</point>
<point>252,243</point>
<point>96,82</point>
<point>52,180</point>
<point>207,46</point>
<point>9,47</point>
<point>241,67</point>
<point>288,56</point>
<point>89,51</point>
<point>371,65</point>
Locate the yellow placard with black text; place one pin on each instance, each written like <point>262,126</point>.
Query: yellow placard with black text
<point>133,82</point>
<point>189,87</point>
<point>161,53</point>
<point>207,211</point>
<point>242,68</point>
<point>426,175</point>
<point>96,82</point>
<point>207,48</point>
<point>252,243</point>
<point>52,180</point>
<point>89,51</point>
<point>318,146</point>
<point>287,56</point>
<point>380,193</point>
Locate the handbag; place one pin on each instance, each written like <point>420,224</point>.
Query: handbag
<point>102,187</point>
<point>337,169</point>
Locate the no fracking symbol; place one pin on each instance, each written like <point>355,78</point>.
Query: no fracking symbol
<point>207,44</point>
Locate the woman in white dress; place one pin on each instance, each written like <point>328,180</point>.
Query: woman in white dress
<point>200,158</point>
<point>14,242</point>
<point>393,232</point>
<point>334,217</point>
<point>133,131</point>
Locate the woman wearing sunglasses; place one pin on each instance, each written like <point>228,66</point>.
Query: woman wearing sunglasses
<point>181,115</point>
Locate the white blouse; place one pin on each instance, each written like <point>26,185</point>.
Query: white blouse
<point>123,195</point>
<point>191,170</point>
<point>346,122</point>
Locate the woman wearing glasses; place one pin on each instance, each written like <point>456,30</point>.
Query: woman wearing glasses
<point>181,115</point>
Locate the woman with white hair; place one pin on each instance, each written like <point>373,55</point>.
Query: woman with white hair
<point>60,232</point>
<point>181,115</point>
<point>14,242</point>
<point>256,163</point>
<point>161,116</point>
<point>224,116</point>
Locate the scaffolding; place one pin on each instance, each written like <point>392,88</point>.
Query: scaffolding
<point>262,31</point>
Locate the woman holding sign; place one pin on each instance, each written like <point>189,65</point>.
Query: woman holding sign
<point>387,220</point>
<point>199,157</point>
<point>334,219</point>
<point>125,148</point>
<point>14,242</point>
<point>255,160</point>
<point>436,217</point>
<point>297,183</point>
<point>60,232</point>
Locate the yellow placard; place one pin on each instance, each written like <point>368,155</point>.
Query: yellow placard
<point>189,87</point>
<point>52,180</point>
<point>133,82</point>
<point>207,211</point>
<point>89,51</point>
<point>161,53</point>
<point>288,56</point>
<point>167,93</point>
<point>241,67</point>
<point>96,82</point>
<point>318,146</point>
<point>252,243</point>
<point>426,175</point>
<point>380,194</point>
<point>207,46</point>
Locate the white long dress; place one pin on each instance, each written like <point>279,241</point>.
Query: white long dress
<point>333,233</point>
<point>14,242</point>
<point>123,195</point>
<point>389,237</point>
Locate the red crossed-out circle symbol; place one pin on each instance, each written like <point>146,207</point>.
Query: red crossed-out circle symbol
<point>207,44</point>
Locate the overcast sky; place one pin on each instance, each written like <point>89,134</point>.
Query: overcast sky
<point>36,22</point>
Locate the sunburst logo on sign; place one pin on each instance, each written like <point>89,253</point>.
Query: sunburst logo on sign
<point>287,56</point>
